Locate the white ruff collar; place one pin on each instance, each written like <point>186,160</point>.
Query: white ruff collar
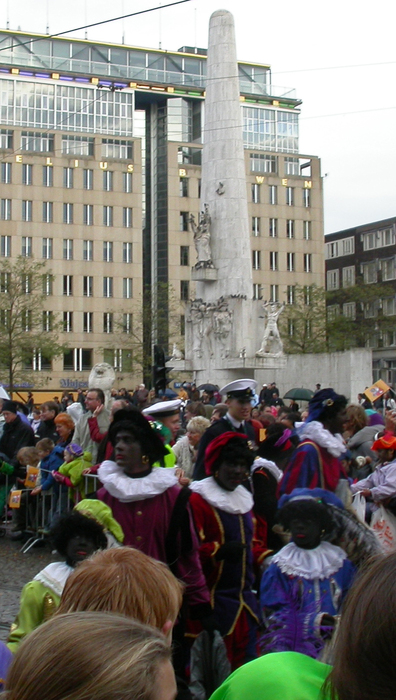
<point>127,489</point>
<point>236,502</point>
<point>321,562</point>
<point>267,464</point>
<point>316,432</point>
<point>54,576</point>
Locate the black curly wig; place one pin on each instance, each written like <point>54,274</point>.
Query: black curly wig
<point>306,510</point>
<point>73,524</point>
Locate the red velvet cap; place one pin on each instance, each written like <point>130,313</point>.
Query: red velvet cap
<point>213,450</point>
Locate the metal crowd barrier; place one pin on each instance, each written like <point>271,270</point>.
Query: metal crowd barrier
<point>42,509</point>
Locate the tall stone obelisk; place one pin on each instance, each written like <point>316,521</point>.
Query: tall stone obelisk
<point>223,186</point>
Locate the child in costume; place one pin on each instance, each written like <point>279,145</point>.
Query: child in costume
<point>75,538</point>
<point>71,471</point>
<point>380,486</point>
<point>306,583</point>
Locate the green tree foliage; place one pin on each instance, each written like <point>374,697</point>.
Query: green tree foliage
<point>29,333</point>
<point>302,325</point>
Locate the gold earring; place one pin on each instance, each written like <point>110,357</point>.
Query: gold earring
<point>145,459</point>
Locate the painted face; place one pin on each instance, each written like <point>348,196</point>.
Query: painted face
<point>337,423</point>
<point>172,423</point>
<point>239,409</point>
<point>229,476</point>
<point>305,533</point>
<point>128,453</point>
<point>79,548</point>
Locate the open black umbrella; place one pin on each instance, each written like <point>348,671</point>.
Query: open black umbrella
<point>208,387</point>
<point>299,394</point>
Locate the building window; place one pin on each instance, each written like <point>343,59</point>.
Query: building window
<point>87,179</point>
<point>255,225</point>
<point>273,258</point>
<point>290,228</point>
<point>48,176</point>
<point>47,321</point>
<point>107,287</point>
<point>107,251</point>
<point>5,173</point>
<point>88,251</point>
<point>388,269</point>
<point>68,285</point>
<point>127,323</point>
<point>273,194</point>
<point>256,259</point>
<point>370,272</point>
<point>289,196</point>
<point>307,230</point>
<point>108,180</point>
<point>378,239</point>
<point>67,249</point>
<point>127,182</point>
<point>255,193</point>
<point>27,174</point>
<point>260,163</point>
<point>34,141</point>
<point>307,262</point>
<point>371,309</point>
<point>107,323</point>
<point>183,219</point>
<point>88,286</point>
<point>306,198</point>
<point>5,246</point>
<point>5,209</point>
<point>307,295</point>
<point>332,312</point>
<point>6,138</point>
<point>291,294</point>
<point>114,148</point>
<point>348,276</point>
<point>290,262</point>
<point>27,210</point>
<point>88,214</point>
<point>184,255</point>
<point>4,282</point>
<point>127,217</point>
<point>290,327</point>
<point>47,248</point>
<point>68,178</point>
<point>47,212</point>
<point>349,310</point>
<point>47,285</point>
<point>257,292</point>
<point>77,145</point>
<point>77,360</point>
<point>67,213</point>
<point>183,187</point>
<point>107,216</point>
<point>291,166</point>
<point>184,290</point>
<point>26,320</point>
<point>273,228</point>
<point>127,252</point>
<point>182,325</point>
<point>26,246</point>
<point>127,287</point>
<point>68,321</point>
<point>274,292</point>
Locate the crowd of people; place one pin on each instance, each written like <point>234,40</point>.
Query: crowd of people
<point>222,534</point>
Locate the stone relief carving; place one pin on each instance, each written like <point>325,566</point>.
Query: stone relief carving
<point>202,238</point>
<point>271,343</point>
<point>211,325</point>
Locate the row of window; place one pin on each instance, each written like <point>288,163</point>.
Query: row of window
<point>109,322</point>
<point>370,309</point>
<point>68,285</point>
<point>372,271</point>
<point>347,277</point>
<point>272,191</point>
<point>68,213</point>
<point>43,142</point>
<point>290,226</point>
<point>69,178</point>
<point>274,261</point>
<point>47,249</point>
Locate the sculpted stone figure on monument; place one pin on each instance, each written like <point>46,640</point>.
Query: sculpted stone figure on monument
<point>271,342</point>
<point>202,237</point>
<point>102,376</point>
<point>222,324</point>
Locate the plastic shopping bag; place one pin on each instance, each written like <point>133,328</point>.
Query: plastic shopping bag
<point>358,506</point>
<point>383,523</point>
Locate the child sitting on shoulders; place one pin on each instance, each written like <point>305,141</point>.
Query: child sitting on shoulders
<point>380,486</point>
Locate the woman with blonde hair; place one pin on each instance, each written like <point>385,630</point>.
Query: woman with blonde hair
<point>128,582</point>
<point>186,448</point>
<point>95,656</point>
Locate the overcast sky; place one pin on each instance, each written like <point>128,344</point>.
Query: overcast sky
<point>357,147</point>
